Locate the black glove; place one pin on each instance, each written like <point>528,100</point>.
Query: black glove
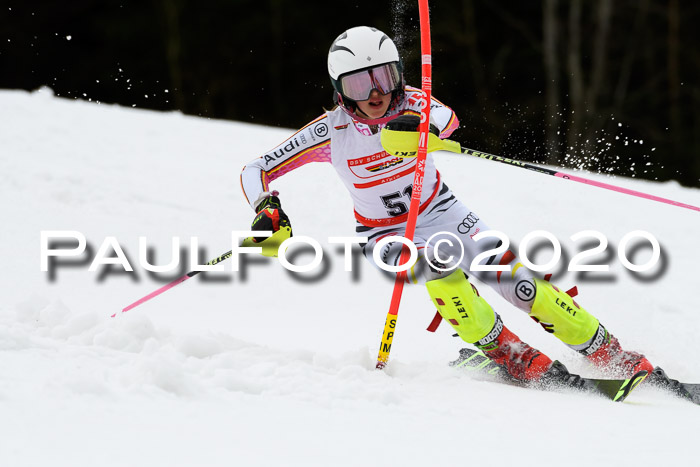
<point>409,123</point>
<point>270,216</point>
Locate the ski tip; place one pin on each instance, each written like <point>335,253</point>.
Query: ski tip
<point>629,384</point>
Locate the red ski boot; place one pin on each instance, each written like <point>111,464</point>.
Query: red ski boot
<point>522,362</point>
<point>617,362</point>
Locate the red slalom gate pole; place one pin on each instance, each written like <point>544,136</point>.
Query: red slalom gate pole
<point>424,127</point>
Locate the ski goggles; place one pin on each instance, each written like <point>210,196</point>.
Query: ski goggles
<point>358,86</point>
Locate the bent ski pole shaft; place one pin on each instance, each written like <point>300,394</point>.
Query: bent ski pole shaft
<point>392,315</point>
<point>398,144</point>
<point>172,284</point>
<point>575,178</point>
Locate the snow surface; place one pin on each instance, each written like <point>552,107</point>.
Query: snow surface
<point>264,368</point>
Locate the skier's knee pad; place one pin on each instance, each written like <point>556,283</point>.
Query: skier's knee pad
<point>459,303</point>
<point>559,314</point>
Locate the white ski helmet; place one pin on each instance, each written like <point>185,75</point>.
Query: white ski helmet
<point>362,59</point>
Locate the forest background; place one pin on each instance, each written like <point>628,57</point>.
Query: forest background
<point>599,85</point>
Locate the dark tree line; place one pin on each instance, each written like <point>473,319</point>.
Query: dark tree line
<point>602,85</point>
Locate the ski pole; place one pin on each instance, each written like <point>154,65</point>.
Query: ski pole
<point>423,131</point>
<point>172,284</point>
<point>397,143</point>
<point>270,247</point>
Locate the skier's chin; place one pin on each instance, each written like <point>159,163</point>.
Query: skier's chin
<point>374,111</point>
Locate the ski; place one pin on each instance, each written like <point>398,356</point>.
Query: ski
<point>616,390</point>
<point>688,391</point>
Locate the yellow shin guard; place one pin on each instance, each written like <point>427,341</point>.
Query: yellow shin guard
<point>559,314</point>
<point>459,304</point>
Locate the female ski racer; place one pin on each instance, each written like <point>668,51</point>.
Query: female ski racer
<point>366,73</point>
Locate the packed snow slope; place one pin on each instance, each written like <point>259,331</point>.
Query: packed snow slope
<point>266,368</point>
